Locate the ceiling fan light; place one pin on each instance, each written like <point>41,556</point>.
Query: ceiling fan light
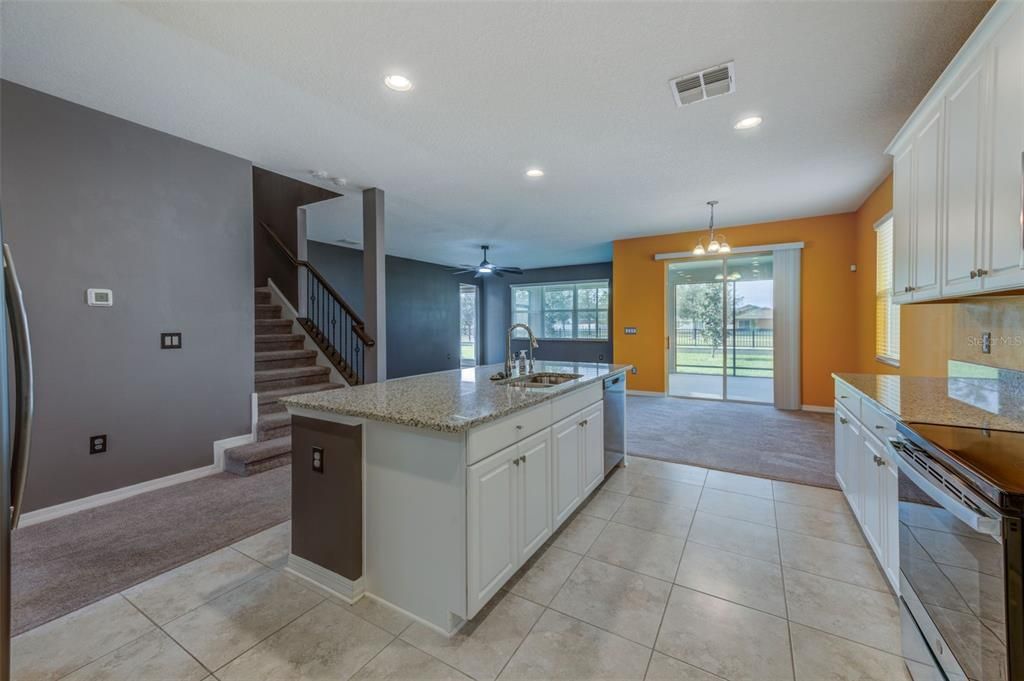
<point>485,270</point>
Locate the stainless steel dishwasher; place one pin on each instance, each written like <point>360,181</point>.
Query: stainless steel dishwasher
<point>614,421</point>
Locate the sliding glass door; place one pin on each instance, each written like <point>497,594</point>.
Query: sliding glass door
<point>721,336</point>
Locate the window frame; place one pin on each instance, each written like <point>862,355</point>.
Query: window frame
<point>892,355</point>
<point>575,310</point>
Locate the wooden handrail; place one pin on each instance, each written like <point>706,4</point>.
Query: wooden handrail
<point>358,325</point>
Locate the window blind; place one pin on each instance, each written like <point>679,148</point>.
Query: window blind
<point>887,315</point>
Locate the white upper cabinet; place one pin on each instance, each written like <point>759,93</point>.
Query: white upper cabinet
<point>926,209</point>
<point>958,171</point>
<point>903,201</point>
<point>1004,243</point>
<point>965,146</point>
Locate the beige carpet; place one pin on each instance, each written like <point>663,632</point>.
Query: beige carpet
<point>794,446</point>
<point>64,564</point>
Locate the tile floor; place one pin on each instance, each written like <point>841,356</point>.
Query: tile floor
<point>667,572</point>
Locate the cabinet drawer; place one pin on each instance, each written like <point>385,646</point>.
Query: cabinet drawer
<point>877,422</point>
<point>484,440</point>
<point>562,407</point>
<point>846,396</point>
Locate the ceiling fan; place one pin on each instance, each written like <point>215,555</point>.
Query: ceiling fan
<point>486,267</point>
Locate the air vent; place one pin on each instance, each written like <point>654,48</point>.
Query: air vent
<point>696,87</point>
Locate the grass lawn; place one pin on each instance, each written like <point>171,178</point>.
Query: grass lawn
<point>468,350</point>
<point>749,362</point>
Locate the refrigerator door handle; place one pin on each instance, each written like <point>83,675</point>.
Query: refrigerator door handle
<point>24,404</point>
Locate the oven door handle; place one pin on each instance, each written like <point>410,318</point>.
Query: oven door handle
<point>978,522</point>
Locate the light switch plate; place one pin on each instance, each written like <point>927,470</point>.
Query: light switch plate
<point>170,341</point>
<point>99,297</point>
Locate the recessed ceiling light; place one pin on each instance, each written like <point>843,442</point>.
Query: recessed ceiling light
<point>320,174</point>
<point>398,83</point>
<point>748,123</point>
<point>535,172</point>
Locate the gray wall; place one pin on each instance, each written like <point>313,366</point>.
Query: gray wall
<point>422,306</point>
<point>90,200</point>
<point>497,304</point>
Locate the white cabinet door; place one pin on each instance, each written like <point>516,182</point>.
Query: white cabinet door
<point>840,443</point>
<point>902,221</point>
<point>891,522</point>
<point>853,444</point>
<point>873,462</point>
<point>566,447</point>
<point>963,220</point>
<point>492,542</point>
<point>593,447</point>
<point>1004,242</point>
<point>927,183</point>
<point>535,493</point>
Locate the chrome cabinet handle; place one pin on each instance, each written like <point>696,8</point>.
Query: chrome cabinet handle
<point>982,273</point>
<point>974,274</point>
<point>24,386</point>
<point>879,461</point>
<point>523,458</point>
<point>515,461</point>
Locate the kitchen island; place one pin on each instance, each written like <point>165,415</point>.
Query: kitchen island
<point>429,492</point>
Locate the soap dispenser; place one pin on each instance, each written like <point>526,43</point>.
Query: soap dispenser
<point>522,362</point>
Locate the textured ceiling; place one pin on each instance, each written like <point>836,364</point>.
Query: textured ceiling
<point>579,89</point>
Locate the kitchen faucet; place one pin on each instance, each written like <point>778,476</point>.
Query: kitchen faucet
<point>508,347</point>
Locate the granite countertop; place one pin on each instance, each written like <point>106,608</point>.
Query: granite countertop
<point>450,401</point>
<point>995,401</point>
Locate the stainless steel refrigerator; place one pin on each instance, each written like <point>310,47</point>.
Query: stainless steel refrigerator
<point>16,430</point>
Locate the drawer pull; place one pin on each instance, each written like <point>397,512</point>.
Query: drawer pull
<point>515,461</point>
<point>879,461</point>
<point>519,427</point>
<point>842,397</point>
<point>877,427</point>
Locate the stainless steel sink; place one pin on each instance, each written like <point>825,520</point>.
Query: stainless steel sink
<point>542,380</point>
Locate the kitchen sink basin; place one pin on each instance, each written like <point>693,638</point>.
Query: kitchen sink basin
<point>543,380</point>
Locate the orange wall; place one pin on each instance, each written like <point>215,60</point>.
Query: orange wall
<point>925,329</point>
<point>828,305</point>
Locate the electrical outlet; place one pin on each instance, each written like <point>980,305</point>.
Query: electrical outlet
<point>318,460</point>
<point>630,330</point>
<point>986,343</point>
<point>633,371</point>
<point>97,444</point>
<point>170,341</point>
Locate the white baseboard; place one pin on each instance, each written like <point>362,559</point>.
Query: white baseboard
<point>648,393</point>
<point>227,443</point>
<point>288,311</point>
<point>343,588</point>
<point>430,625</point>
<point>817,409</point>
<point>104,498</point>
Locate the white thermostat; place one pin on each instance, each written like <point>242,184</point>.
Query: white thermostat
<point>99,297</point>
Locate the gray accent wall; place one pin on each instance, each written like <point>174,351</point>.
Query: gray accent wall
<point>422,306</point>
<point>497,304</point>
<point>90,200</point>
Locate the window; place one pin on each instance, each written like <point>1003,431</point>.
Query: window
<point>575,310</point>
<point>887,315</point>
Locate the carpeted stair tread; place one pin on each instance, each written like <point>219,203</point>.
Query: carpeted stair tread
<point>270,338</point>
<point>290,372</point>
<point>273,326</point>
<point>272,426</point>
<point>262,296</point>
<point>271,396</point>
<point>256,451</point>
<point>283,359</point>
<point>262,355</point>
<point>268,311</point>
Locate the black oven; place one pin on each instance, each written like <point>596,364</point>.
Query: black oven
<point>960,569</point>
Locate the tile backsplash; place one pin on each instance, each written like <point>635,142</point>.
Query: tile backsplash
<point>1003,318</point>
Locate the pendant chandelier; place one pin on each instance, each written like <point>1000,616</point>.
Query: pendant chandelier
<point>715,245</point>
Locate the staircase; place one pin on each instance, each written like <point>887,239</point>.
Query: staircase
<point>283,367</point>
